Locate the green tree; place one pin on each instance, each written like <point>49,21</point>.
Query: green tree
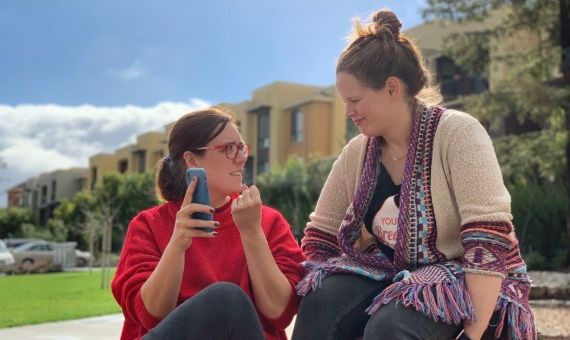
<point>12,219</point>
<point>294,189</point>
<point>529,110</point>
<point>118,198</point>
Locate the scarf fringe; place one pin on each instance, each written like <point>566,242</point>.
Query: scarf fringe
<point>313,279</point>
<point>446,301</point>
<point>518,318</point>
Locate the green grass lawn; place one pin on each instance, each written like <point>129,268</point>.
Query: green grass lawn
<point>37,298</point>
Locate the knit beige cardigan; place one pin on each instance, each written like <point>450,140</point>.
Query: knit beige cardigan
<point>466,184</point>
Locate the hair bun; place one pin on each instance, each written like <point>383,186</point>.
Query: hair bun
<point>386,23</point>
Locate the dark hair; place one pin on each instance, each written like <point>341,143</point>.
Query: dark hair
<point>378,50</point>
<point>190,132</point>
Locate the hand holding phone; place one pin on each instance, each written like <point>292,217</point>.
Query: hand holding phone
<point>201,195</point>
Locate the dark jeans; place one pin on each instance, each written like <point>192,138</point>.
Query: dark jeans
<point>220,311</point>
<point>336,311</point>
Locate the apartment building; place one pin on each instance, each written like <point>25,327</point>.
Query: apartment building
<point>139,157</point>
<point>42,194</point>
<point>283,119</point>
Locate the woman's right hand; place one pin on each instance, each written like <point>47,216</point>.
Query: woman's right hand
<point>186,227</point>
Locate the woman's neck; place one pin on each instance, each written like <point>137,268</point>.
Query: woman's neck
<point>398,136</point>
<point>218,201</point>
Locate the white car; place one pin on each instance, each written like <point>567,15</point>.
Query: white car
<point>6,259</point>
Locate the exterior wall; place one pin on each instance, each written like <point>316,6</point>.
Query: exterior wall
<point>154,146</point>
<point>125,159</point>
<point>317,121</point>
<point>100,165</point>
<point>43,193</point>
<point>276,96</point>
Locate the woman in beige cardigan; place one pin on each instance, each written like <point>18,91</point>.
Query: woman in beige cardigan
<point>414,219</point>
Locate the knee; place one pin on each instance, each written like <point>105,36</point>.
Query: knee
<point>227,294</point>
<point>320,299</point>
<point>388,322</point>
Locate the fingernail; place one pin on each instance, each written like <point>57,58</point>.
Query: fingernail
<point>217,224</point>
<point>212,210</point>
<point>215,233</point>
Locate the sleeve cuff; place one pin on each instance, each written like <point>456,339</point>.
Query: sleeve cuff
<point>282,321</point>
<point>145,318</point>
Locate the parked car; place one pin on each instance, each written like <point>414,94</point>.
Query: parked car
<point>34,256</point>
<point>6,259</point>
<point>12,243</point>
<point>83,258</point>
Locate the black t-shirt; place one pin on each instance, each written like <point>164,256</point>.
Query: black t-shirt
<point>381,218</point>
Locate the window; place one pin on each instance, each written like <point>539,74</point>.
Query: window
<point>53,189</point>
<point>263,131</point>
<point>141,157</point>
<point>263,167</point>
<point>262,142</point>
<point>297,121</point>
<point>43,199</point>
<point>93,177</point>
<point>123,166</point>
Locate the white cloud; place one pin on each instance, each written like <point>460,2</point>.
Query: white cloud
<point>134,71</point>
<point>40,138</point>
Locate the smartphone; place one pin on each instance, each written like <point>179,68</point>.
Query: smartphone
<point>201,195</point>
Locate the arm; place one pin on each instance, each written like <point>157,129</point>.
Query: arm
<point>271,289</point>
<point>483,290</point>
<point>160,292</point>
<point>320,242</point>
<point>484,207</point>
<point>147,283</point>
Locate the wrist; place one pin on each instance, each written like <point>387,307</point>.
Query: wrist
<point>253,233</point>
<point>176,248</point>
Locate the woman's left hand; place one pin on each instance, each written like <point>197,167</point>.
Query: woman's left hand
<point>246,210</point>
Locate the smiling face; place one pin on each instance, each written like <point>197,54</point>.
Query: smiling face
<point>224,175</point>
<point>370,109</point>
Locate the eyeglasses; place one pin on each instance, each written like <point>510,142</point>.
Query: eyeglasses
<point>231,149</point>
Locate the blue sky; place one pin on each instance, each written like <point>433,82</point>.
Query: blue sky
<point>144,52</point>
<point>69,70</point>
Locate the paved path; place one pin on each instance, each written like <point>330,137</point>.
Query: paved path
<point>100,327</point>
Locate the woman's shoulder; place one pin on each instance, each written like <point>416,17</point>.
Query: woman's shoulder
<point>357,142</point>
<point>452,119</point>
<point>155,212</point>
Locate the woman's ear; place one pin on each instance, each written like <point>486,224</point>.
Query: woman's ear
<point>189,159</point>
<point>394,88</point>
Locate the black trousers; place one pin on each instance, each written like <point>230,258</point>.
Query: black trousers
<point>220,311</point>
<point>336,311</point>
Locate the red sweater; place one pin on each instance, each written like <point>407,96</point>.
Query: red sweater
<point>208,260</point>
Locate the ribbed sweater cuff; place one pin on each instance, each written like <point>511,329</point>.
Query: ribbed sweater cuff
<point>282,321</point>
<point>145,318</point>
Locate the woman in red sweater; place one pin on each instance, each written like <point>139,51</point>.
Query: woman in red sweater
<point>175,281</point>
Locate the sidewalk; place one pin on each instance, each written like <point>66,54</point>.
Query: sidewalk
<point>95,328</point>
<point>100,327</point>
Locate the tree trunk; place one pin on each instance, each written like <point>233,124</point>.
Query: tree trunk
<point>565,45</point>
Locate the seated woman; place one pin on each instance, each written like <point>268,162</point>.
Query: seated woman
<point>177,281</point>
<point>411,237</point>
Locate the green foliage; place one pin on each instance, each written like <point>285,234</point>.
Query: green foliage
<point>526,113</point>
<point>294,189</point>
<point>12,219</point>
<point>32,299</point>
<point>539,213</point>
<point>119,197</point>
<point>470,50</point>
